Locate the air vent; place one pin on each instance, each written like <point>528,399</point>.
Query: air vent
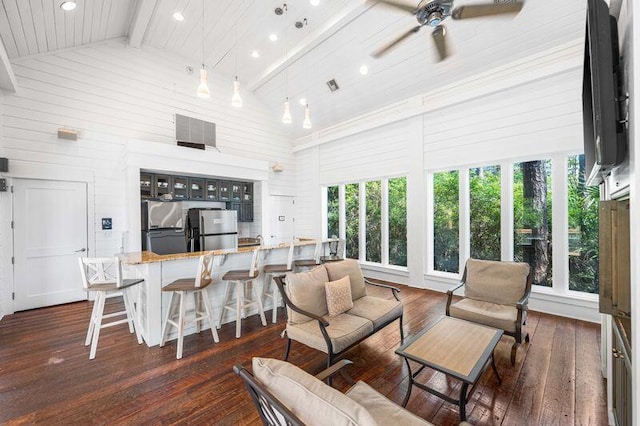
<point>192,132</point>
<point>333,86</point>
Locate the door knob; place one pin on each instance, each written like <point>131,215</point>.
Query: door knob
<point>81,250</point>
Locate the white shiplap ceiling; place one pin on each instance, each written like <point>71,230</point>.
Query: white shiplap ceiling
<point>337,40</point>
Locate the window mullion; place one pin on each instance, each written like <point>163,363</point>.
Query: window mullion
<point>362,228</point>
<point>384,218</point>
<point>560,231</point>
<point>506,211</point>
<point>342,206</point>
<point>464,218</point>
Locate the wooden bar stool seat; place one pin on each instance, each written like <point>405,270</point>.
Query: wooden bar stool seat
<point>305,264</point>
<point>240,279</point>
<point>103,276</point>
<point>269,287</point>
<point>176,311</point>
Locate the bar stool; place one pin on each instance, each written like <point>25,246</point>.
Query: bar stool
<point>304,264</point>
<point>103,276</point>
<point>240,279</point>
<point>334,253</point>
<point>271,271</point>
<point>181,288</point>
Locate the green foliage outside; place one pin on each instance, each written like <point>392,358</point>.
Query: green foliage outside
<point>484,196</point>
<point>333,211</point>
<point>373,222</point>
<point>398,221</point>
<point>352,220</point>
<point>446,221</point>
<point>583,229</point>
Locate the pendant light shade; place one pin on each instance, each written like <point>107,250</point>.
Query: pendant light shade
<point>306,124</point>
<point>286,116</point>
<point>236,100</point>
<point>203,89</point>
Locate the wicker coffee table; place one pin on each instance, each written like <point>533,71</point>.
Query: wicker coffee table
<point>457,348</point>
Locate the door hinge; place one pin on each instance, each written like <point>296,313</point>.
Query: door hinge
<point>12,189</point>
<point>13,260</point>
<point>13,296</point>
<point>11,224</point>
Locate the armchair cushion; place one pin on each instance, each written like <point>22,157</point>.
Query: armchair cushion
<point>343,330</point>
<point>306,290</point>
<point>493,315</point>
<point>384,411</point>
<point>351,267</point>
<point>338,296</point>
<point>503,283</point>
<point>377,310</point>
<point>308,398</point>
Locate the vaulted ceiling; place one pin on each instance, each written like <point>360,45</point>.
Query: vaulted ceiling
<point>337,39</point>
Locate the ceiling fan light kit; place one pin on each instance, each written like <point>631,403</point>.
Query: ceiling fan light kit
<point>432,13</point>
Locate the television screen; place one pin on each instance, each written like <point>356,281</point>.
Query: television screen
<point>604,145</point>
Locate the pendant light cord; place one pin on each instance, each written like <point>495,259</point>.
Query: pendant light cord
<point>202,33</point>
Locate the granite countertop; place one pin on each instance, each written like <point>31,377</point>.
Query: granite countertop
<point>141,257</point>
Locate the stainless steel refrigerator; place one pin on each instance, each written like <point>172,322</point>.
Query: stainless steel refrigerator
<point>213,229</point>
<point>162,227</point>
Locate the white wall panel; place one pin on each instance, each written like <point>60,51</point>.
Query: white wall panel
<point>308,196</point>
<point>112,94</point>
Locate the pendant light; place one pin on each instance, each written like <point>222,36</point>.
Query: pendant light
<point>286,116</point>
<point>306,124</point>
<point>236,100</point>
<point>203,88</point>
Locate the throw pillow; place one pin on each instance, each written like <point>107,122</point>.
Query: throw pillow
<point>338,296</point>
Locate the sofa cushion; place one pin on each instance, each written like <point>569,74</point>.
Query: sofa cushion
<point>383,411</point>
<point>351,267</point>
<point>338,296</point>
<point>376,309</point>
<point>503,283</point>
<point>314,402</point>
<point>306,291</point>
<point>343,330</point>
<point>498,316</point>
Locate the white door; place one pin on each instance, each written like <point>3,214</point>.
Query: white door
<point>282,221</point>
<point>50,233</point>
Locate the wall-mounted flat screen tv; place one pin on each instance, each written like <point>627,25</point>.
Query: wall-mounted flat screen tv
<point>604,142</point>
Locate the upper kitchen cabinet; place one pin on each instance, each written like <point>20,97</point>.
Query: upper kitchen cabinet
<point>146,186</point>
<point>180,188</point>
<point>163,185</point>
<point>224,190</point>
<point>196,188</point>
<point>247,191</point>
<point>236,191</point>
<point>211,190</point>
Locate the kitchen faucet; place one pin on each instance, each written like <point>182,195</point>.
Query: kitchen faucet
<point>259,237</point>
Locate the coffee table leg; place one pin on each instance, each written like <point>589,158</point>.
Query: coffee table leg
<point>462,403</point>
<point>406,397</point>
<point>495,370</point>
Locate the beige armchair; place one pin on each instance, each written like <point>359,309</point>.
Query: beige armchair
<point>286,395</point>
<point>495,294</point>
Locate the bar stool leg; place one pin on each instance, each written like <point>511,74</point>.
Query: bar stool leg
<point>167,320</point>
<point>92,322</point>
<point>181,324</point>
<point>259,302</point>
<point>276,300</point>
<point>207,306</point>
<point>197,308</point>
<point>225,301</point>
<point>98,323</point>
<point>131,315</point>
<point>239,305</point>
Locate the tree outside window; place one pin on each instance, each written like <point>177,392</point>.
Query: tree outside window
<point>446,214</point>
<point>583,228</point>
<point>398,221</point>
<point>373,224</point>
<point>333,211</point>
<point>352,220</point>
<point>532,218</point>
<point>484,197</point>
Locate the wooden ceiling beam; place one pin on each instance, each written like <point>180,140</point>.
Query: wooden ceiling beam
<point>8,80</point>
<point>140,22</point>
<point>314,39</point>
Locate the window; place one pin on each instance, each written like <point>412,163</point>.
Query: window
<point>352,220</point>
<point>532,218</point>
<point>445,221</point>
<point>583,228</point>
<point>398,221</point>
<point>333,211</point>
<point>484,214</point>
<point>373,224</point>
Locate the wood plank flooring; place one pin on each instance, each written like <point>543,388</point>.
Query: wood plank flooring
<point>46,376</point>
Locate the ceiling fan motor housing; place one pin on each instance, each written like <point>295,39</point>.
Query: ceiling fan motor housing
<point>432,13</point>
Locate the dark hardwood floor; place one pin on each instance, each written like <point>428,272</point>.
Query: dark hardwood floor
<point>46,376</point>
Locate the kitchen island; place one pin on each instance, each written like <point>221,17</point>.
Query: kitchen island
<point>160,270</point>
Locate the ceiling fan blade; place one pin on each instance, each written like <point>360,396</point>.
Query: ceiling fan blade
<point>480,10</point>
<point>439,34</point>
<point>396,5</point>
<point>383,50</point>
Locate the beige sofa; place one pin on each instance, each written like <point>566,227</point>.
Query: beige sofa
<point>286,395</point>
<point>308,320</point>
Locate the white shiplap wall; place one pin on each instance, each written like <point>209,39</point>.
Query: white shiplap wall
<point>308,197</point>
<point>111,94</point>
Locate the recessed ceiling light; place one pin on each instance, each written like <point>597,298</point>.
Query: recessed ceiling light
<point>178,16</point>
<point>314,2</point>
<point>273,37</point>
<point>364,70</point>
<point>303,101</point>
<point>255,54</point>
<point>68,5</point>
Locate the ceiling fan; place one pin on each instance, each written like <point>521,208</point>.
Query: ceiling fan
<point>432,12</point>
